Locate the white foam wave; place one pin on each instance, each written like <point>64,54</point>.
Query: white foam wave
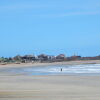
<point>86,68</point>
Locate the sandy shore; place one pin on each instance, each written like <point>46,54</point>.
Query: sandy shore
<point>49,88</point>
<point>54,63</point>
<point>23,87</point>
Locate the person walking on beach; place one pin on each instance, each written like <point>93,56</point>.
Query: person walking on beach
<point>61,69</point>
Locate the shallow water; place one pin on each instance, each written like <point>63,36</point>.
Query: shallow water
<point>86,69</point>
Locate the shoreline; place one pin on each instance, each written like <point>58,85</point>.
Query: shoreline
<point>55,87</point>
<point>51,64</point>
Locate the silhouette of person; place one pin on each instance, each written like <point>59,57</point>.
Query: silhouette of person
<point>61,69</point>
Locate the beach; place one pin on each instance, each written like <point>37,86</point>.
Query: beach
<point>49,50</point>
<point>77,62</point>
<point>49,87</point>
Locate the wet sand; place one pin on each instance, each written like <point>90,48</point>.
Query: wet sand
<point>64,87</point>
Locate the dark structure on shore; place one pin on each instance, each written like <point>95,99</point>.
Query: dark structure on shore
<point>44,58</point>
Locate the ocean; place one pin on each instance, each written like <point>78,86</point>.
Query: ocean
<point>84,69</point>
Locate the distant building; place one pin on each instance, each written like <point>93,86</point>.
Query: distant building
<point>28,58</point>
<point>43,57</point>
<point>17,58</point>
<point>51,57</point>
<point>91,58</point>
<point>61,57</point>
<point>75,57</point>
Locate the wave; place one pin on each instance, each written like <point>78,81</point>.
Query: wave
<point>66,69</point>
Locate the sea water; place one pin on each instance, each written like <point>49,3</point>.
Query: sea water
<point>85,69</point>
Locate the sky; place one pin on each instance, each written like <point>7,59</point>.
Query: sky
<point>49,26</point>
